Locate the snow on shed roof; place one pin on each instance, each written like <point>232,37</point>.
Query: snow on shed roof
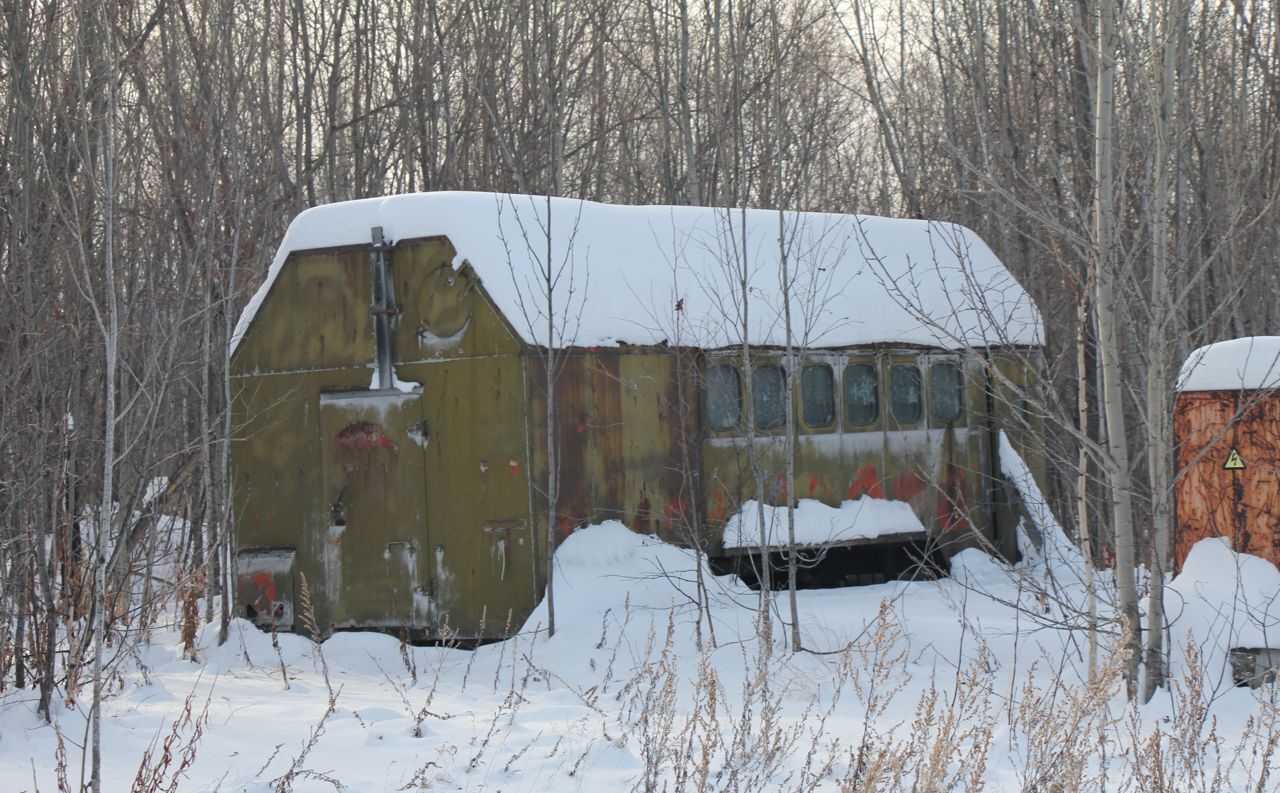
<point>1244,364</point>
<point>622,270</point>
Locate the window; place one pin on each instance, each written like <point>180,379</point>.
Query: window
<point>904,392</point>
<point>1022,411</point>
<point>818,395</point>
<point>769,387</point>
<point>724,397</point>
<point>861,400</point>
<point>946,392</point>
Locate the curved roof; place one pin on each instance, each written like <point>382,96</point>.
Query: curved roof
<point>1244,364</point>
<point>621,271</point>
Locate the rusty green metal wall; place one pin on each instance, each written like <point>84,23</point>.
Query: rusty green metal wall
<point>408,511</point>
<point>626,438</point>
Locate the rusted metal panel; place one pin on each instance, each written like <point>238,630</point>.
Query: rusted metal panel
<point>264,586</point>
<point>1213,499</point>
<point>619,429</point>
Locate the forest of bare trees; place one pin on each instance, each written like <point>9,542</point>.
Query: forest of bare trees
<point>1122,159</point>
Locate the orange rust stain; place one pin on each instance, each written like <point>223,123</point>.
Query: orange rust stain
<point>866,481</point>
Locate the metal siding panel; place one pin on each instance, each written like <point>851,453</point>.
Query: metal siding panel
<point>316,316</point>
<point>1211,501</point>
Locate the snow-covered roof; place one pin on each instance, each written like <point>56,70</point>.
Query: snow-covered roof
<point>1245,364</point>
<point>623,270</point>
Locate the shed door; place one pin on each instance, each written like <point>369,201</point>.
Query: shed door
<point>482,553</point>
<point>374,472</point>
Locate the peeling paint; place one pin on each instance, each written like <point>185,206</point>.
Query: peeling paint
<point>364,435</point>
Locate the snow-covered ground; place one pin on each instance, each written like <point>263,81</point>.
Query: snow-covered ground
<point>980,678</point>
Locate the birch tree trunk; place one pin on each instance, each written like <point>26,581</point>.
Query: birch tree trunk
<point>1082,477</point>
<point>1106,263</point>
<point>792,367</point>
<point>553,477</point>
<point>1159,437</point>
<point>108,322</point>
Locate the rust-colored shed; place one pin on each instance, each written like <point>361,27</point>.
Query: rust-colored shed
<point>1227,432</point>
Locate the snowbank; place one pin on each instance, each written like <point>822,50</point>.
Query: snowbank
<point>1223,599</point>
<point>609,568</point>
<point>937,674</point>
<point>858,279</point>
<point>1249,363</point>
<point>818,524</point>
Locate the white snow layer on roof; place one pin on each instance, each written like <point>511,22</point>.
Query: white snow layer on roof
<point>1250,363</point>
<point>621,271</point>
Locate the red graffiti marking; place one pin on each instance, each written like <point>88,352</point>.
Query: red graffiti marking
<point>364,435</point>
<point>865,482</point>
<point>718,508</point>
<point>909,486</point>
<point>265,584</point>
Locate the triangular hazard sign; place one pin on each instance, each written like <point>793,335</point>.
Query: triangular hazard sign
<point>1234,463</point>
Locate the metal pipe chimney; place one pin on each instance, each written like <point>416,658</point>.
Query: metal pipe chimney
<point>384,308</point>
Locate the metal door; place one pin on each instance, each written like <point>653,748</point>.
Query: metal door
<point>376,545</point>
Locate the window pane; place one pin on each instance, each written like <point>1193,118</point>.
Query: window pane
<point>1022,411</point>
<point>818,395</point>
<point>769,386</point>
<point>724,397</point>
<point>946,392</point>
<point>861,401</point>
<point>904,387</point>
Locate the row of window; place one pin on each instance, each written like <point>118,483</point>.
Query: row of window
<point>859,389</point>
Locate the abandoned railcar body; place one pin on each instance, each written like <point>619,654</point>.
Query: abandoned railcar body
<point>391,392</point>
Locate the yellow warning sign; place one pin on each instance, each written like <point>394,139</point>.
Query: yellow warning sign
<point>1234,463</point>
